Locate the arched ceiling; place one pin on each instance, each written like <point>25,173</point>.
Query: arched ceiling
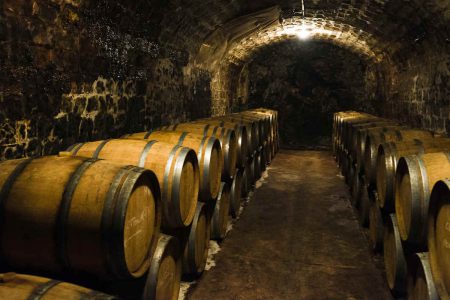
<point>374,28</point>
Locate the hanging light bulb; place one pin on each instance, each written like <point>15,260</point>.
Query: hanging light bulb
<point>304,33</point>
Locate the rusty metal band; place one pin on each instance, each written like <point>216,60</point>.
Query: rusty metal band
<point>167,202</point>
<point>181,139</point>
<point>166,245</point>
<point>77,148</point>
<point>144,154</point>
<point>176,179</point>
<point>107,217</point>
<point>70,148</point>
<point>42,289</point>
<point>99,149</point>
<point>192,245</point>
<point>117,229</point>
<point>148,134</point>
<point>64,210</point>
<point>205,130</point>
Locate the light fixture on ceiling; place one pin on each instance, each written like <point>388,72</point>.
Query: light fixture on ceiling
<point>303,33</point>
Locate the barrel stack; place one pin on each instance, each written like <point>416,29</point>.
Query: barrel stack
<point>132,216</point>
<point>405,172</point>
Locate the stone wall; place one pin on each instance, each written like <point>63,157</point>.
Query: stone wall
<point>78,70</point>
<point>74,70</point>
<point>418,86</point>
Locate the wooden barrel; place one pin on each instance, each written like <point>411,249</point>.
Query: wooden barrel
<point>78,215</point>
<point>394,257</point>
<point>176,168</point>
<point>274,136</point>
<point>359,146</point>
<point>353,126</point>
<point>357,130</point>
<point>420,284</point>
<point>251,177</point>
<point>270,133</point>
<point>27,287</point>
<point>219,221</point>
<point>252,130</point>
<point>257,172</point>
<point>415,177</point>
<point>262,119</point>
<point>363,137</point>
<point>376,227</point>
<point>363,201</point>
<point>439,237</point>
<point>227,138</point>
<point>262,159</point>
<point>196,250</point>
<point>164,277</point>
<point>387,158</point>
<point>337,121</point>
<point>347,128</point>
<point>249,119</point>
<point>243,137</point>
<point>245,188</point>
<point>208,151</point>
<point>376,138</point>
<point>236,194</point>
<point>340,125</point>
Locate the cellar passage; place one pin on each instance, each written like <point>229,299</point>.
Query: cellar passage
<point>77,70</point>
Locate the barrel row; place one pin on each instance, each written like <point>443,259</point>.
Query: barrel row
<point>121,210</point>
<point>399,181</point>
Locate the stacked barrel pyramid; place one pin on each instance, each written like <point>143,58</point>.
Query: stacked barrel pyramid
<point>128,216</point>
<point>399,178</point>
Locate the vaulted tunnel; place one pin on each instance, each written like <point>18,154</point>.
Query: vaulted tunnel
<point>78,70</point>
<point>82,73</point>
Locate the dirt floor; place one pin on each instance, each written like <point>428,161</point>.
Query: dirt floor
<point>297,239</point>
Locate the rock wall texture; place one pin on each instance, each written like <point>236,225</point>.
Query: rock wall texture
<point>82,70</point>
<point>418,86</point>
<point>77,70</point>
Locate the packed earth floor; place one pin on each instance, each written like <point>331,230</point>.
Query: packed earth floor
<point>298,238</point>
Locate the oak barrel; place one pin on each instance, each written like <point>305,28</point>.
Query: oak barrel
<point>261,120</point>
<point>439,237</point>
<point>245,188</point>
<point>196,249</point>
<point>219,221</point>
<point>387,158</point>
<point>78,215</point>
<point>243,137</point>
<point>176,168</point>
<point>208,151</point>
<point>376,227</point>
<point>357,131</point>
<point>420,284</point>
<point>274,135</point>
<point>236,193</point>
<point>227,138</point>
<point>361,137</point>
<point>164,277</point>
<point>394,257</point>
<point>415,177</point>
<point>28,287</point>
<point>384,135</point>
<point>257,172</point>
<point>253,128</point>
